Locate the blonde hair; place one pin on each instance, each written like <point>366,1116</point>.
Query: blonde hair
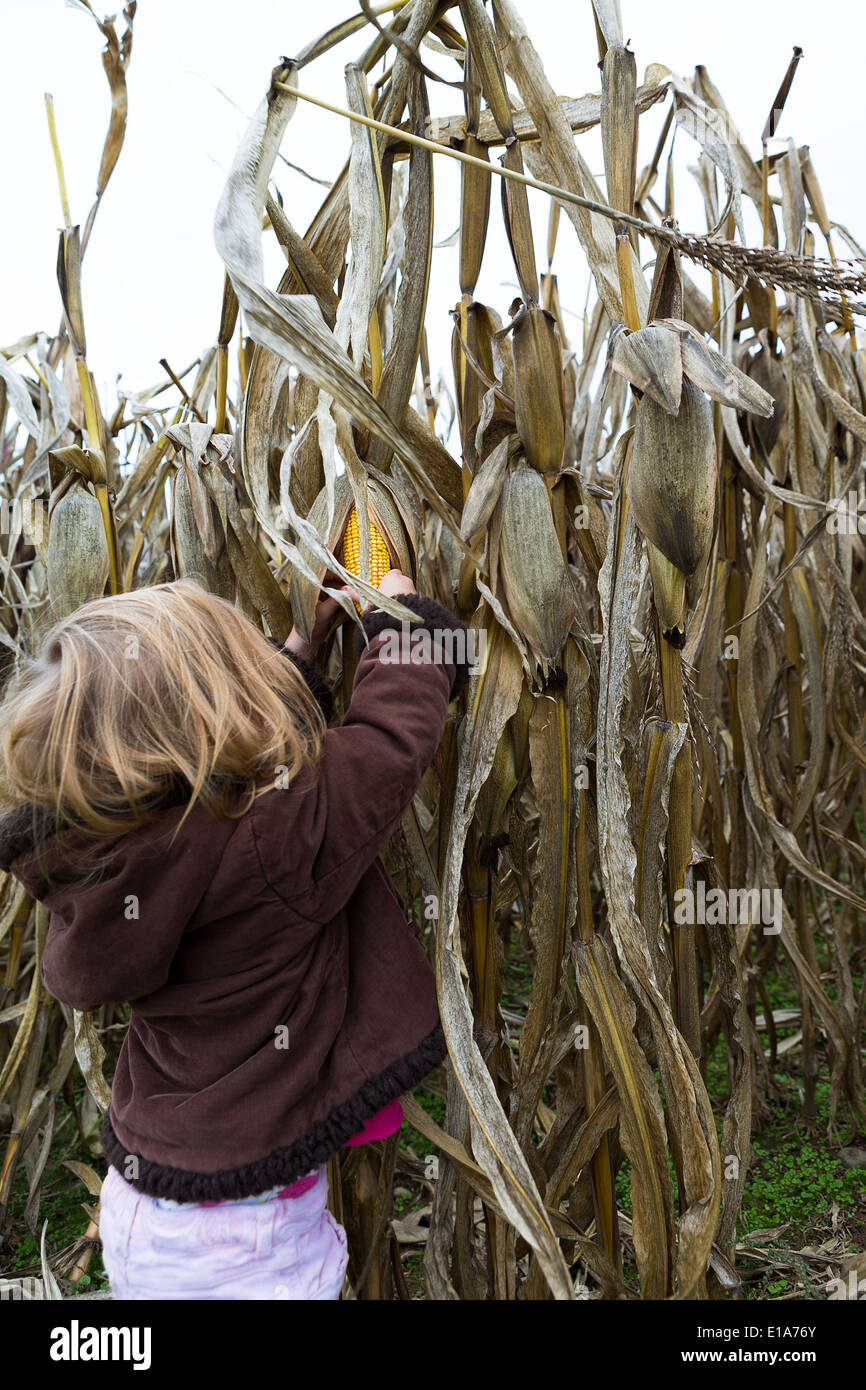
<point>144,699</point>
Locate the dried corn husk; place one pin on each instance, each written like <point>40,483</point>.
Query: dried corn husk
<point>539,388</point>
<point>535,576</point>
<point>672,478</point>
<point>485,490</point>
<point>669,596</point>
<point>655,358</point>
<point>77,550</point>
<point>192,559</point>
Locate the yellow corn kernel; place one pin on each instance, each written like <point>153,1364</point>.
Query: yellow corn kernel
<point>380,558</point>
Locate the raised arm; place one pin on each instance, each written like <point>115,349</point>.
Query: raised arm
<point>316,839</point>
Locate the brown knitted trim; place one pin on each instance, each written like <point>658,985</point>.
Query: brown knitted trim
<point>284,1165</point>
<point>22,829</point>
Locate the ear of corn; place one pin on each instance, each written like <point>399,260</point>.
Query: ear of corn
<point>474,187</point>
<point>535,577</point>
<point>380,558</point>
<point>672,479</point>
<point>77,550</point>
<point>191,553</point>
<point>539,389</point>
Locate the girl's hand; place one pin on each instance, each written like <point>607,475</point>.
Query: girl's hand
<point>327,609</point>
<point>394,583</point>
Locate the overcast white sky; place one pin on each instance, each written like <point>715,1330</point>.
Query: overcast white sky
<point>152,280</point>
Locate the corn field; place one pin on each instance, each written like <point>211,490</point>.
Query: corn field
<point>650,528</point>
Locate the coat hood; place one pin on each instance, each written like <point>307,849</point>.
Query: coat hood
<point>143,878</point>
<point>41,853</point>
<point>57,863</point>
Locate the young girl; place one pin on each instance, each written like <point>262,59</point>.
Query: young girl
<point>209,851</point>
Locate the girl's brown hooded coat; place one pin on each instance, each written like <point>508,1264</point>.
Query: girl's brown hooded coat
<point>279,995</point>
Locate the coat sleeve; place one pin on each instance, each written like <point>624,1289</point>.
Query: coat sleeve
<point>316,839</point>
<point>319,687</point>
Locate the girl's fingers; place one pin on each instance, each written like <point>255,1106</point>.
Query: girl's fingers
<point>395,582</point>
<point>353,594</point>
<point>330,614</point>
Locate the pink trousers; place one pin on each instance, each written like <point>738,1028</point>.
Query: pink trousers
<point>288,1248</point>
